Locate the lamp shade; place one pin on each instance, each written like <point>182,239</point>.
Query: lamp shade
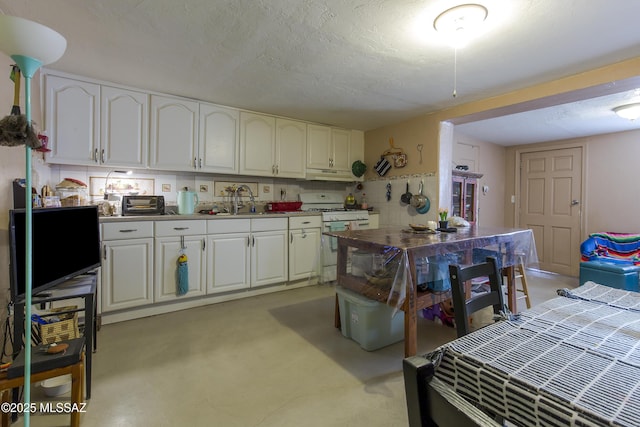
<point>22,37</point>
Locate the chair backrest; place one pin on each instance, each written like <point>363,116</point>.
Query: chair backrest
<point>464,307</point>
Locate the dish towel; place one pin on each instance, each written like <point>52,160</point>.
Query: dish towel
<point>353,225</point>
<point>183,275</point>
<point>336,226</point>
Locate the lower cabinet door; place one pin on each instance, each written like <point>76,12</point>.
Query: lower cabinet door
<point>228,266</point>
<point>127,274</point>
<point>304,253</point>
<point>166,272</point>
<point>269,258</point>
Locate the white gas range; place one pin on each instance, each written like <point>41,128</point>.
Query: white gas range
<point>334,218</point>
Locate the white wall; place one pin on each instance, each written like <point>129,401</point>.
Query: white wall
<point>491,163</point>
<point>612,182</point>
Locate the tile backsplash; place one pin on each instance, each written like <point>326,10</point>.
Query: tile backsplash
<point>392,212</point>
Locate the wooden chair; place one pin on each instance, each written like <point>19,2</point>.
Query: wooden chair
<point>463,307</point>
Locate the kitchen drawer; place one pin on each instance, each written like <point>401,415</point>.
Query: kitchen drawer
<point>218,226</point>
<point>269,224</point>
<point>297,222</point>
<point>181,228</point>
<point>127,230</point>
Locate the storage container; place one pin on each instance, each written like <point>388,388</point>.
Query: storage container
<point>371,324</point>
<point>66,328</point>
<point>283,206</point>
<point>76,196</point>
<point>617,276</point>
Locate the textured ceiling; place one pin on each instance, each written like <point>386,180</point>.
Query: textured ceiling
<point>356,64</point>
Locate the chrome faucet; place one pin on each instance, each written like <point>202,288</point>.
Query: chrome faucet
<point>235,198</point>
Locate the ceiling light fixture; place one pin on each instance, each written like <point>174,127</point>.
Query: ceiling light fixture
<point>458,25</point>
<point>629,111</point>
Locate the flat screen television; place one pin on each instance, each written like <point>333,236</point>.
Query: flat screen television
<point>66,243</point>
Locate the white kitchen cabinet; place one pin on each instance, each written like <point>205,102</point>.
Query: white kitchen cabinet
<point>328,152</point>
<point>257,144</point>
<point>269,251</point>
<point>304,247</point>
<point>272,147</point>
<point>72,120</point>
<point>340,139</point>
<point>228,255</point>
<point>127,265</point>
<point>319,149</point>
<point>218,147</point>
<point>290,148</point>
<point>124,136</point>
<point>170,238</point>
<point>174,134</point>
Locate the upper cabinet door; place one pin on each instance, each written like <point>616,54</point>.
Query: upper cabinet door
<point>125,124</point>
<point>341,149</point>
<point>219,136</point>
<point>291,148</point>
<point>174,133</point>
<point>72,120</point>
<point>257,144</point>
<point>318,146</point>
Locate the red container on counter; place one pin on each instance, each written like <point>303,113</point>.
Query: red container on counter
<point>283,206</point>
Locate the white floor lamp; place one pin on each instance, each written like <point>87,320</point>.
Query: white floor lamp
<point>30,45</point>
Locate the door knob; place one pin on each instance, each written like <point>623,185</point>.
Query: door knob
<point>575,202</point>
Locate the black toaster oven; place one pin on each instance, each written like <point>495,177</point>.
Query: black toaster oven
<point>142,205</point>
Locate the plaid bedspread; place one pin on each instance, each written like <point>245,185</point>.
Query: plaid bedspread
<point>571,361</point>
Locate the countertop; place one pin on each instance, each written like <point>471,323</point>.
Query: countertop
<point>173,217</point>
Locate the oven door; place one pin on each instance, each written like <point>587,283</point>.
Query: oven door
<point>330,246</point>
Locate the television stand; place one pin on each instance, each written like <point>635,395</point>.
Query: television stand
<point>83,286</point>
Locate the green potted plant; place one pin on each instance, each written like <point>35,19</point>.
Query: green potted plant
<point>443,213</point>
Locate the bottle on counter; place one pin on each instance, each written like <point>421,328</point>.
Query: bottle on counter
<point>363,203</point>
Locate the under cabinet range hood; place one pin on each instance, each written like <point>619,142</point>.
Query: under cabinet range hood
<point>330,175</point>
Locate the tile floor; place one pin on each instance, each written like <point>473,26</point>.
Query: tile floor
<point>272,360</point>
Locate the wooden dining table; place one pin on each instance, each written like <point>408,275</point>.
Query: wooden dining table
<point>401,250</point>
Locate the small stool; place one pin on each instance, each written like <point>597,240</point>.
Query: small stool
<point>518,270</point>
<point>45,366</point>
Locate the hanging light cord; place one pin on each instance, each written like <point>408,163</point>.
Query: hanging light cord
<point>455,71</point>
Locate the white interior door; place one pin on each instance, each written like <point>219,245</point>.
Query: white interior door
<point>550,205</point>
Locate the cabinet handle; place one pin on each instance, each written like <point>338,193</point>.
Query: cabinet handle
<point>306,222</point>
<point>291,239</point>
<point>104,252</point>
<point>95,155</point>
<point>248,241</point>
<point>304,234</point>
<point>273,169</point>
<point>128,230</point>
<point>253,241</point>
<point>200,163</point>
<point>180,228</point>
<point>102,155</point>
<point>204,245</point>
<point>195,163</point>
<point>277,170</point>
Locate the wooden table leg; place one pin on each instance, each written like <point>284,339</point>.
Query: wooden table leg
<point>77,381</point>
<point>6,398</point>
<point>410,310</point>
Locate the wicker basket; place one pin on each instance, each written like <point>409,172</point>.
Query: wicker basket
<point>65,329</point>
